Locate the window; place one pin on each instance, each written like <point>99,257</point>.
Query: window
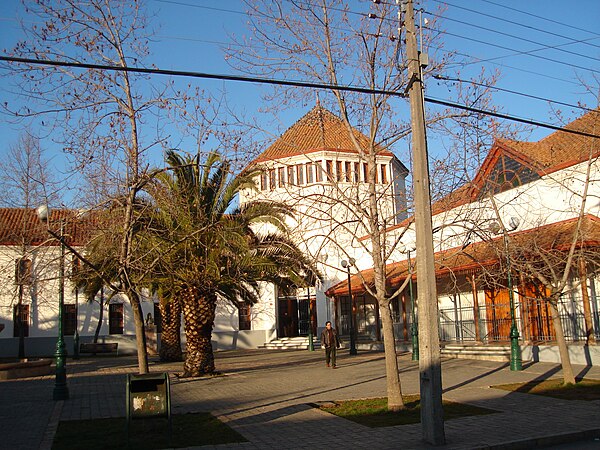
<point>365,172</point>
<point>348,172</point>
<point>281,176</point>
<point>264,181</point>
<point>319,171</point>
<point>310,177</point>
<point>356,172</point>
<point>69,319</point>
<point>115,318</point>
<point>23,272</point>
<point>329,168</point>
<point>157,318</point>
<point>245,315</point>
<point>21,320</point>
<point>291,170</point>
<point>272,179</point>
<point>384,178</point>
<point>339,176</point>
<point>300,174</point>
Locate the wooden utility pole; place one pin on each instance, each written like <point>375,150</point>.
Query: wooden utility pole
<point>430,371</point>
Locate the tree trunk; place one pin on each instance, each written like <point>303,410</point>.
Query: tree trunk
<point>561,342</point>
<point>199,316</point>
<point>394,389</point>
<point>100,315</point>
<point>170,337</point>
<point>138,319</point>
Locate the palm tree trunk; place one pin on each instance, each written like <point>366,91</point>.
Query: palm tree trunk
<point>170,337</point>
<point>199,316</point>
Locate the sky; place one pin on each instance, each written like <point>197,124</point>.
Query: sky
<point>543,48</point>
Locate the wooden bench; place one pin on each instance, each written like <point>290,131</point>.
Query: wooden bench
<point>99,347</point>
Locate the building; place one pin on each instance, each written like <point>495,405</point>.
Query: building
<point>30,259</point>
<point>316,167</point>
<point>529,220</point>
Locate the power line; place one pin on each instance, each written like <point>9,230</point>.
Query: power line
<point>510,91</point>
<point>541,17</point>
<point>476,59</point>
<point>271,81</point>
<point>479,41</point>
<point>575,41</point>
<point>502,33</point>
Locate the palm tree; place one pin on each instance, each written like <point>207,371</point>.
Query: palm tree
<point>206,248</point>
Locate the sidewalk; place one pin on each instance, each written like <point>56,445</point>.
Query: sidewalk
<point>265,396</point>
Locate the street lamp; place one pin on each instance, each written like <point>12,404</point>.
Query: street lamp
<point>515,349</point>
<point>347,265</point>
<point>414,329</point>
<point>311,344</point>
<point>61,391</point>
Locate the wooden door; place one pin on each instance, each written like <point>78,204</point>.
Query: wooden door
<point>538,318</point>
<point>498,315</point>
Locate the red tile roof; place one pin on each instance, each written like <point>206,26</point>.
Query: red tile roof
<point>556,151</point>
<point>557,236</point>
<point>318,130</point>
<point>19,226</point>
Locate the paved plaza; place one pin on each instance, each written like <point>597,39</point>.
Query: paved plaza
<point>266,396</point>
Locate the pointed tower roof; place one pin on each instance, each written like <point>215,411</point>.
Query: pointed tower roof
<point>318,130</point>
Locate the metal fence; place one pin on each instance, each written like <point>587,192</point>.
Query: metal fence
<point>457,324</point>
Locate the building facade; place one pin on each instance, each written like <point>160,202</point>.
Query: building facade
<point>529,224</point>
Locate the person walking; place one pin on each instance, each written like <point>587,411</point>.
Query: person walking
<point>329,340</point>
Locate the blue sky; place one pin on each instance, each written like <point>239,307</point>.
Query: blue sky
<point>533,43</point>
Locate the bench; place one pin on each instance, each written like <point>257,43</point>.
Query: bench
<point>99,347</point>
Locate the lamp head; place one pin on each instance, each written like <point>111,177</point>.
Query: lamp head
<point>344,263</point>
<point>43,212</point>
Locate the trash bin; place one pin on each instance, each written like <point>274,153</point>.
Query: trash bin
<point>148,396</point>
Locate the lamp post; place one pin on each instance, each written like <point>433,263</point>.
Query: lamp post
<point>515,349</point>
<point>347,265</point>
<point>61,391</point>
<point>311,344</point>
<point>414,329</point>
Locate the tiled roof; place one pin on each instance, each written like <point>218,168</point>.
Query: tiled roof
<point>562,149</point>
<point>19,226</point>
<point>555,236</point>
<point>556,151</point>
<point>318,130</point>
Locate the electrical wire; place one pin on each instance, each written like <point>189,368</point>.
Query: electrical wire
<point>510,91</point>
<point>531,41</point>
<point>260,80</point>
<point>512,22</point>
<point>541,17</point>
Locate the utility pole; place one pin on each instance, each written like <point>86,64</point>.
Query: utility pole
<point>430,370</point>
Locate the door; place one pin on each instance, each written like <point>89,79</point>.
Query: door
<point>498,315</point>
<point>538,318</point>
<point>287,317</point>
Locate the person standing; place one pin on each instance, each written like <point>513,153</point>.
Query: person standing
<point>329,340</point>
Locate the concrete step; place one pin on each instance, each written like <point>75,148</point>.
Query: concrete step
<point>293,343</point>
<point>493,352</point>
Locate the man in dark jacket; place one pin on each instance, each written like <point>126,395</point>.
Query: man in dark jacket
<point>329,340</point>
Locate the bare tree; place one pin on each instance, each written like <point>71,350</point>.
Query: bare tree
<point>26,183</point>
<point>100,114</point>
<point>328,41</point>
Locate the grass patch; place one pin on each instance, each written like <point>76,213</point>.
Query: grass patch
<point>373,412</point>
<point>188,430</point>
<point>582,390</point>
